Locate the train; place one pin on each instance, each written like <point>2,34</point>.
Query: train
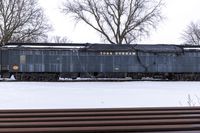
<point>51,61</point>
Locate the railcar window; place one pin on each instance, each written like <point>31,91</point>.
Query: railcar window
<point>38,52</point>
<point>167,54</point>
<point>52,53</point>
<point>15,52</point>
<point>26,52</point>
<point>65,52</point>
<point>22,52</point>
<point>29,52</point>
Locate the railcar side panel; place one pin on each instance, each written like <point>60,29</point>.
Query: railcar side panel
<point>92,63</point>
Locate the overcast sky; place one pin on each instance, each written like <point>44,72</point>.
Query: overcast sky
<point>178,13</point>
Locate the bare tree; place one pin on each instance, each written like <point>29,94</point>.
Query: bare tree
<point>191,35</point>
<point>59,39</point>
<point>22,21</point>
<point>118,21</point>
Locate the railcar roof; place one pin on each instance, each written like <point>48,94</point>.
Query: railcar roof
<point>159,48</point>
<point>44,45</point>
<point>105,47</point>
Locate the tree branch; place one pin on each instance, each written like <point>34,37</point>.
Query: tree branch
<point>118,21</point>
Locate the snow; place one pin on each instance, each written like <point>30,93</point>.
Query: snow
<point>44,95</point>
<point>195,48</point>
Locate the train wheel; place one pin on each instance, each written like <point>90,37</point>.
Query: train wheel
<point>51,77</point>
<point>18,77</point>
<point>74,76</point>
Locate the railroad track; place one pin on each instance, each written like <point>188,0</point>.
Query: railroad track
<point>119,120</point>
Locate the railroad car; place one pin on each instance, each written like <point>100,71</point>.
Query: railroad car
<point>49,62</point>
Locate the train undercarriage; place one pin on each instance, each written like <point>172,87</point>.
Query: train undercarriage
<point>97,75</point>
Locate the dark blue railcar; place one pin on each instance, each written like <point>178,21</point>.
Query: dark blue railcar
<point>51,61</point>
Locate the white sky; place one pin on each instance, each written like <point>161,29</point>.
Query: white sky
<point>178,13</point>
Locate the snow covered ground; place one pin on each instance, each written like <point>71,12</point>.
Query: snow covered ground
<point>20,95</point>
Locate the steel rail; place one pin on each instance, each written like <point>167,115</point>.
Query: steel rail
<point>119,113</point>
<point>112,120</point>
